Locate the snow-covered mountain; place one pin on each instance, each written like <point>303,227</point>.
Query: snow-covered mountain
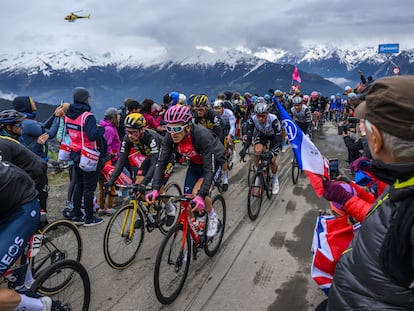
<point>112,76</point>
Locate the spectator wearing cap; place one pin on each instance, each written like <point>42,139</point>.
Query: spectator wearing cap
<point>376,272</point>
<point>35,135</point>
<point>110,122</point>
<point>83,130</point>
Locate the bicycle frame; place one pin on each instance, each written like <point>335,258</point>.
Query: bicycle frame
<point>185,220</point>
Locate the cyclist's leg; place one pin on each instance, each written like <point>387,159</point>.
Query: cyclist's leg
<point>11,301</point>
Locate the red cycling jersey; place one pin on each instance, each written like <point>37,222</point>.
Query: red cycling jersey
<point>186,148</point>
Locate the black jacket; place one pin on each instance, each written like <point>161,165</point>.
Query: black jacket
<point>205,143</point>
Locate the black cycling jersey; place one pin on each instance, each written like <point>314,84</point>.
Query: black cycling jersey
<point>149,146</point>
<point>211,120</point>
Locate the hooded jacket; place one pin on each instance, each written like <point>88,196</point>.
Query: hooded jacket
<point>33,129</point>
<point>112,139</point>
<point>360,280</point>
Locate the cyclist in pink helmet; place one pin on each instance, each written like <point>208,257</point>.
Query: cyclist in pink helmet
<point>205,155</point>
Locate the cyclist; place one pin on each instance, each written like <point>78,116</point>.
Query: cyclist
<point>207,117</point>
<point>204,152</point>
<point>263,128</point>
<point>302,115</point>
<point>229,128</point>
<point>140,148</point>
<point>19,218</point>
<point>13,151</point>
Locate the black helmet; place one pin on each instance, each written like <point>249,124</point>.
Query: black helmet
<point>11,116</point>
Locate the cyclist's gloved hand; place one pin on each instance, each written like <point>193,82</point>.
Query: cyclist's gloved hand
<point>198,203</point>
<point>336,193</point>
<point>152,196</point>
<point>141,188</point>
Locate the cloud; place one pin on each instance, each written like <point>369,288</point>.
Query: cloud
<point>180,25</point>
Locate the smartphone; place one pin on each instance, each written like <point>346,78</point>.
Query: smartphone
<point>333,168</point>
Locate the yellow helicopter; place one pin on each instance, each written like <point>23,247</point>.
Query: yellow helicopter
<point>72,16</point>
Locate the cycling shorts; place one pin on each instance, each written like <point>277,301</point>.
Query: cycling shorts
<point>15,231</point>
<point>264,140</point>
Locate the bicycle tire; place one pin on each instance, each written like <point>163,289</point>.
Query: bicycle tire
<point>119,249</point>
<point>171,259</point>
<point>250,172</point>
<point>212,244</point>
<point>255,197</point>
<point>61,240</point>
<point>76,295</point>
<point>230,156</point>
<point>172,188</point>
<point>267,181</point>
<point>295,172</point>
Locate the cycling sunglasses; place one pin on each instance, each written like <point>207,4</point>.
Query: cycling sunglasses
<point>175,129</point>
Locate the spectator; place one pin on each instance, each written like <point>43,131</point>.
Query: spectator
<point>110,124</point>
<point>133,106</point>
<point>376,272</point>
<point>81,125</point>
<point>151,116</point>
<point>62,136</point>
<point>35,134</point>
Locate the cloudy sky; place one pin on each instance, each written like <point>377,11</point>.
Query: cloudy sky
<point>175,27</point>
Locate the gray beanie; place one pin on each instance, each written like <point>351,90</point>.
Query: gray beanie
<point>111,112</point>
<point>80,94</point>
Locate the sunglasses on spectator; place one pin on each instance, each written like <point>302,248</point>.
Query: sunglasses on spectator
<point>175,129</point>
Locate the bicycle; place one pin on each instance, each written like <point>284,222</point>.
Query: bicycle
<point>65,281</point>
<point>57,241</point>
<point>261,181</point>
<point>174,255</point>
<point>124,233</point>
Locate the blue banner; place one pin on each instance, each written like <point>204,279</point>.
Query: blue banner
<point>389,48</point>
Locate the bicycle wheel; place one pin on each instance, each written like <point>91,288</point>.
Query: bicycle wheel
<point>268,182</point>
<point>212,244</point>
<point>61,240</point>
<point>120,244</point>
<point>76,295</point>
<point>255,196</point>
<point>250,172</point>
<point>230,154</point>
<point>171,188</point>
<point>171,265</point>
<point>295,171</point>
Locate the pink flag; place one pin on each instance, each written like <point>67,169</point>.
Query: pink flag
<point>296,76</point>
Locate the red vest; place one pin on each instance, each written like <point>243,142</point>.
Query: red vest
<point>75,130</point>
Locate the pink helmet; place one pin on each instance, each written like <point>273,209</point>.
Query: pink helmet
<point>178,114</point>
<point>305,98</point>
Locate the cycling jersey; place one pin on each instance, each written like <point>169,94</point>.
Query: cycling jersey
<point>229,121</point>
<point>303,116</point>
<point>149,145</point>
<point>11,150</point>
<point>201,146</point>
<point>270,131</point>
<point>211,120</point>
<point>19,213</point>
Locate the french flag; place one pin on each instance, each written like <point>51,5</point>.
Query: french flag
<point>307,156</point>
